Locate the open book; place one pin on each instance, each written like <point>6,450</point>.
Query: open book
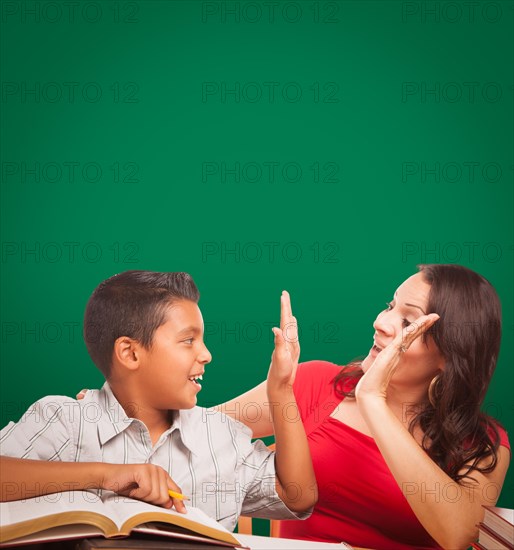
<point>80,514</point>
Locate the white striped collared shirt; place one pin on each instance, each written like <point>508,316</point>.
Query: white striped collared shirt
<point>209,455</point>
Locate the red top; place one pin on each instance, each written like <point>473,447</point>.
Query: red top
<point>359,499</point>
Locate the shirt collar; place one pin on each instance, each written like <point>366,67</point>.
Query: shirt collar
<point>114,418</point>
<point>115,421</point>
<point>186,422</point>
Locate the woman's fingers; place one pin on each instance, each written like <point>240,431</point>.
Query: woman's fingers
<point>415,330</point>
<point>376,380</point>
<point>391,353</point>
<point>81,394</point>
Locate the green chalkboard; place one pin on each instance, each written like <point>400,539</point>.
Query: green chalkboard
<point>323,147</point>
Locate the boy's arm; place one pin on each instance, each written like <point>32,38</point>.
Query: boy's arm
<point>44,436</point>
<point>23,478</point>
<point>295,479</point>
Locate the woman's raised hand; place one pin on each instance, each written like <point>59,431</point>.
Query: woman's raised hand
<point>376,380</point>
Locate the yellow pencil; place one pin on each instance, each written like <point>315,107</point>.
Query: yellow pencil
<point>173,494</point>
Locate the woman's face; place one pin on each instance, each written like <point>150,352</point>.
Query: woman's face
<point>423,360</point>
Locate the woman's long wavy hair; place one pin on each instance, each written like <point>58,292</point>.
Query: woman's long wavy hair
<point>457,434</point>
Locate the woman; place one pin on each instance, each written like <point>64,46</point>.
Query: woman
<point>402,454</point>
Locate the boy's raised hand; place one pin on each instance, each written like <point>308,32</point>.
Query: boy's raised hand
<point>284,360</point>
<point>292,459</point>
<point>146,482</point>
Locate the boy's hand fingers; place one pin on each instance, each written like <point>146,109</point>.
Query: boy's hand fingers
<point>160,482</point>
<point>161,488</point>
<point>296,342</point>
<point>146,478</point>
<point>289,325</point>
<point>287,321</point>
<point>176,502</point>
<point>179,505</point>
<point>283,312</point>
<point>147,482</point>
<point>281,353</point>
<point>290,332</point>
<point>150,485</point>
<point>281,360</point>
<point>288,312</point>
<point>280,343</point>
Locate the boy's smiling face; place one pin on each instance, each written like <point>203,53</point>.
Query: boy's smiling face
<point>176,357</point>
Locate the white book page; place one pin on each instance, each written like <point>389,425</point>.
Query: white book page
<point>116,507</point>
<point>123,508</point>
<point>22,510</point>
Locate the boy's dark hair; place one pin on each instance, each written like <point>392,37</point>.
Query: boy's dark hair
<point>133,304</point>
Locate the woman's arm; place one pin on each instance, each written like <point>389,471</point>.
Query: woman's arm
<point>252,409</point>
<point>448,510</point>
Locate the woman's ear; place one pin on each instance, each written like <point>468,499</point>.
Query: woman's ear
<point>127,353</point>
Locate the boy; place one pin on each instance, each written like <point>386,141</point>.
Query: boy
<point>144,331</point>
